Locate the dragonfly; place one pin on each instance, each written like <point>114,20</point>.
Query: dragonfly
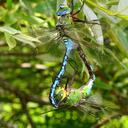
<point>73,38</point>
<point>75,97</point>
<point>63,13</point>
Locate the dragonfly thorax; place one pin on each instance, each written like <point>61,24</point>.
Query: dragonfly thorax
<point>61,30</point>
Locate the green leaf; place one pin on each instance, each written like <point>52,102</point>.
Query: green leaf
<point>122,37</point>
<point>19,36</point>
<point>9,30</point>
<point>26,39</point>
<point>95,28</point>
<point>109,12</point>
<point>123,7</point>
<point>9,4</point>
<point>10,41</point>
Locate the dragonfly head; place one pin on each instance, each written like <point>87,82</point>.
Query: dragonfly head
<point>61,95</point>
<point>63,10</point>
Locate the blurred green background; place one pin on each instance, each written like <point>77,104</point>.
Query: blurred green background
<point>28,65</point>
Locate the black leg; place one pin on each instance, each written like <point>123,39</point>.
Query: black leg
<point>69,83</point>
<point>72,7</point>
<point>66,86</point>
<point>79,9</point>
<point>75,19</point>
<point>85,21</point>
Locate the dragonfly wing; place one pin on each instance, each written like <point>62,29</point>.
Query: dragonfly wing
<point>45,35</point>
<point>51,42</point>
<point>97,54</point>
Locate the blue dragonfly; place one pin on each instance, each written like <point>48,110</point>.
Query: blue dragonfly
<point>62,13</point>
<point>69,44</point>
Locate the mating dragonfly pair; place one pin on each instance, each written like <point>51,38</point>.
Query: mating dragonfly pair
<point>69,96</point>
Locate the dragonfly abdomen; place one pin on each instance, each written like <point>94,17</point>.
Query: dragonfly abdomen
<point>69,46</point>
<point>90,70</point>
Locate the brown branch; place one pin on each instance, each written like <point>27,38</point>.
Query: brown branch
<point>121,100</point>
<point>4,124</point>
<point>26,111</point>
<point>20,54</point>
<point>21,94</point>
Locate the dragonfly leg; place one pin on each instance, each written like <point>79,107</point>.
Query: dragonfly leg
<point>75,19</point>
<point>73,14</point>
<point>69,82</point>
<point>72,6</point>
<point>66,86</point>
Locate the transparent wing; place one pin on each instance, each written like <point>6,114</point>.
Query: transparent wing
<point>96,104</point>
<point>97,54</point>
<point>80,33</point>
<point>50,44</point>
<point>45,35</point>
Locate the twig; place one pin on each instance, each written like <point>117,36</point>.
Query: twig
<point>21,94</point>
<point>20,54</point>
<point>4,124</point>
<point>26,111</point>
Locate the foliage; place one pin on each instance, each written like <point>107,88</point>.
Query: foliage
<point>24,51</point>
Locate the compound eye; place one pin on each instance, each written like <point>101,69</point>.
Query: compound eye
<point>60,94</point>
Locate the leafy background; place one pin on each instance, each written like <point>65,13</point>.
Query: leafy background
<point>28,65</point>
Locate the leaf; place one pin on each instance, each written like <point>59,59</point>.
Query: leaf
<point>109,12</point>
<point>26,39</point>
<point>9,4</point>
<point>96,28</point>
<point>102,85</point>
<point>123,7</point>
<point>120,37</point>
<point>9,30</point>
<point>19,36</point>
<point>10,41</point>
